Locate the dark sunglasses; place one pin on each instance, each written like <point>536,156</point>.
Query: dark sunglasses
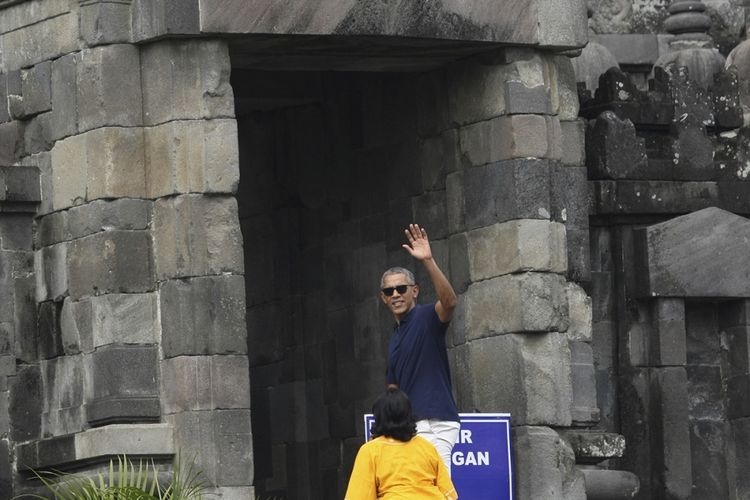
<point>401,289</point>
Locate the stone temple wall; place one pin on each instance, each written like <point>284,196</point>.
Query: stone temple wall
<point>476,153</point>
<point>669,278</point>
<point>176,245</point>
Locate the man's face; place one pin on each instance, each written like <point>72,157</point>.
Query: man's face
<point>399,303</point>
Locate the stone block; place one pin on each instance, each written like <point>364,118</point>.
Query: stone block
<point>516,246</point>
<point>115,163</point>
<point>152,439</point>
<point>521,99</point>
<point>36,89</point>
<point>460,274</point>
<point>671,432</point>
<point>25,318</point>
<point>609,483</point>
<point>191,383</point>
<point>544,465</point>
<point>63,382</point>
<point>593,446</point>
<point>526,375</point>
<point>510,136</point>
<point>429,211</point>
<point>128,318</point>
<point>76,328</point>
<point>186,79</point>
<point>124,384</point>
<point>196,235</point>
<point>573,141</point>
<point>668,341</point>
<point>64,97</point>
<point>25,405</point>
<point>42,162</point>
<point>15,94</point>
<point>69,173</point>
<point>104,23</point>
<point>511,189</point>
<point>613,151</point>
<point>455,203</point>
<point>221,441</point>
<point>737,387</point>
<point>6,469</point>
<point>528,302</point>
<point>4,112</point>
<point>103,215</point>
<point>203,316</point>
<point>110,262</point>
<point>189,156</point>
<point>680,257</point>
<point>50,341</point>
<point>47,39</point>
<point>37,135</point>
<point>11,142</point>
<point>16,231</point>
<point>52,229</point>
<point>734,313</point>
<point>51,271</point>
<point>432,107</point>
<point>579,313</point>
<point>108,87</point>
<point>152,20</point>
<point>564,88</point>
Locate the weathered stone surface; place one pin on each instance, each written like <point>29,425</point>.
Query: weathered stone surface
<point>129,318</point>
<point>192,156</point>
<point>604,484</point>
<point>25,405</point>
<point>192,383</point>
<point>115,163</point>
<point>19,184</point>
<point>50,342</point>
<point>528,302</point>
<point>124,384</point>
<point>738,338</point>
<point>739,483</point>
<point>196,235</point>
<point>672,433</point>
<point>668,340</point>
<point>514,24</point>
<point>224,440</point>
<point>169,17</point>
<point>512,136</point>
<point>612,149</point>
<point>584,409</point>
<point>37,135</point>
<point>43,164</point>
<point>592,446</point>
<point>455,203</point>
<point>68,171</point>
<point>437,156</point>
<point>11,142</point>
<point>203,316</point>
<point>573,139</point>
<point>564,85</point>
<point>685,257</point>
<point>516,246</point>
<point>64,96</point>
<point>579,313</point>
<point>15,231</point>
<point>545,465</point>
<point>40,41</point>
<point>521,99</point>
<point>110,262</point>
<point>51,270</point>
<point>63,383</point>
<point>76,329</point>
<point>108,90</point>
<point>36,89</point>
<point>511,189</point>
<point>103,215</point>
<point>104,23</point>
<point>528,376</point>
<point>186,79</point>
<point>4,112</point>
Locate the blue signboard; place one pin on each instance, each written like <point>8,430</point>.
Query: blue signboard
<point>481,460</point>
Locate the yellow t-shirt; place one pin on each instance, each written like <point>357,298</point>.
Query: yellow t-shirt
<point>390,469</point>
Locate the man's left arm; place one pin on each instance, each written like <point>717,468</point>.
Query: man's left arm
<point>419,248</point>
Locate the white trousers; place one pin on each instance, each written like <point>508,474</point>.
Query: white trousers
<point>443,434</point>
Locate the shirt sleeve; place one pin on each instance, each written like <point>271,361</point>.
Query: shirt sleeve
<point>362,483</point>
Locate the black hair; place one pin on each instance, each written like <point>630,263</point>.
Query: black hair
<point>393,417</point>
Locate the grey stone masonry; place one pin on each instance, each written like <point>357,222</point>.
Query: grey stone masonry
<point>104,22</point>
<point>682,257</point>
<point>545,465</point>
<point>668,341</point>
<point>196,235</point>
<point>526,375</point>
<point>124,384</point>
<point>108,87</point>
<point>36,89</point>
<point>186,80</point>
<point>111,261</point>
<point>204,315</point>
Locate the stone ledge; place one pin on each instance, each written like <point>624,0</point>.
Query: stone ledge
<point>130,439</point>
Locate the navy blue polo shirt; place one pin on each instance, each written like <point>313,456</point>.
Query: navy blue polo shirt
<point>418,364</point>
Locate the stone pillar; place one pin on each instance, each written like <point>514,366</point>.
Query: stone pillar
<point>510,211</point>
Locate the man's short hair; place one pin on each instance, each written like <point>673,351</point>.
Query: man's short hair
<point>398,270</point>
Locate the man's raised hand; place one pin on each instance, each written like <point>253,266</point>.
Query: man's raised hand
<point>419,244</point>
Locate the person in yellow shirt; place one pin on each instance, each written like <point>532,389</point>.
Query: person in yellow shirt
<point>398,464</point>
